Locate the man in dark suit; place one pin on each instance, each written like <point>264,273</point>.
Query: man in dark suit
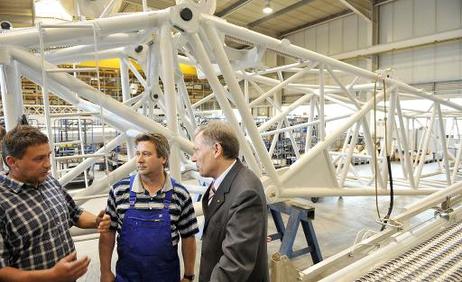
<point>234,236</point>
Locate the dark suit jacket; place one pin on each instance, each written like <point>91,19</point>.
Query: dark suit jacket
<point>234,236</point>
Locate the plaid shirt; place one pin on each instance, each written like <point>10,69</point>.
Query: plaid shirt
<point>34,223</point>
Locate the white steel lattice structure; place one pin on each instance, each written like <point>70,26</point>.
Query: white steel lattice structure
<point>188,33</point>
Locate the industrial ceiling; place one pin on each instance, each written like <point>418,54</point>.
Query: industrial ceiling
<point>287,16</point>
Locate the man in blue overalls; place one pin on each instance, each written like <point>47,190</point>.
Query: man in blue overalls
<point>150,216</point>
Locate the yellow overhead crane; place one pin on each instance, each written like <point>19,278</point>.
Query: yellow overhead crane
<point>115,64</point>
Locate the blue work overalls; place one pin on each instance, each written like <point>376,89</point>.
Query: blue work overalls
<point>145,247</point>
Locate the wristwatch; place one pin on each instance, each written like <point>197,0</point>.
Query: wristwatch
<point>189,277</point>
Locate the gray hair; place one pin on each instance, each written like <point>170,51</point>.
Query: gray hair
<point>222,133</point>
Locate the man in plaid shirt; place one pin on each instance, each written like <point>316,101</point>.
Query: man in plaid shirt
<point>36,214</point>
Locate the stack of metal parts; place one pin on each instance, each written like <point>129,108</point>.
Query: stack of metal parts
<point>437,259</point>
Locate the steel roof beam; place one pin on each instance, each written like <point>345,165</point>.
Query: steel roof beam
<point>233,7</point>
<point>279,12</point>
<point>365,14</point>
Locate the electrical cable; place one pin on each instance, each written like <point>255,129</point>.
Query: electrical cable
<point>387,153</point>
<point>375,162</point>
<point>387,156</point>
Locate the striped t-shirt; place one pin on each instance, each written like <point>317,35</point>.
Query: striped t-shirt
<point>182,215</point>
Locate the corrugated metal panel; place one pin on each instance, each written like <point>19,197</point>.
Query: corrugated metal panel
<point>402,20</point>
<point>322,39</point>
<point>403,65</point>
<point>298,39</point>
<point>448,60</point>
<point>350,33</point>
<point>270,59</point>
<point>442,88</point>
<point>386,24</point>
<point>424,64</point>
<point>363,33</point>
<point>335,37</point>
<point>460,58</point>
<point>424,18</point>
<point>386,60</point>
<point>359,62</point>
<point>310,39</point>
<point>448,14</point>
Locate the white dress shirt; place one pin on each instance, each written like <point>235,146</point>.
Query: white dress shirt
<point>219,179</point>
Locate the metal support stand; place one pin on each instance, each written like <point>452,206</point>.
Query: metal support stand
<point>299,213</point>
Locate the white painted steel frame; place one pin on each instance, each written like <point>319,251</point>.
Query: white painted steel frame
<point>201,39</point>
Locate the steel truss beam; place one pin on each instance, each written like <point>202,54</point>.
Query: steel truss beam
<point>317,79</point>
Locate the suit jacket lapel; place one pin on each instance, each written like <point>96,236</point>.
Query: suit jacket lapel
<point>220,197</point>
<point>205,198</point>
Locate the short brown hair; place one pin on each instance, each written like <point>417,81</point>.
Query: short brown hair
<point>17,140</point>
<point>161,142</point>
<point>222,133</point>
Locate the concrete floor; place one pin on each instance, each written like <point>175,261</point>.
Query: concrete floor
<point>337,222</point>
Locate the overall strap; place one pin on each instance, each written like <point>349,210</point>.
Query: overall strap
<point>168,194</point>
<point>168,198</point>
<point>132,194</point>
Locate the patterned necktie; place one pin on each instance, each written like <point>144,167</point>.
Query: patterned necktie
<point>212,192</point>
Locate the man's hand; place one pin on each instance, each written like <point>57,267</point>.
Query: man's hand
<point>103,222</point>
<point>69,268</point>
<point>107,276</point>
